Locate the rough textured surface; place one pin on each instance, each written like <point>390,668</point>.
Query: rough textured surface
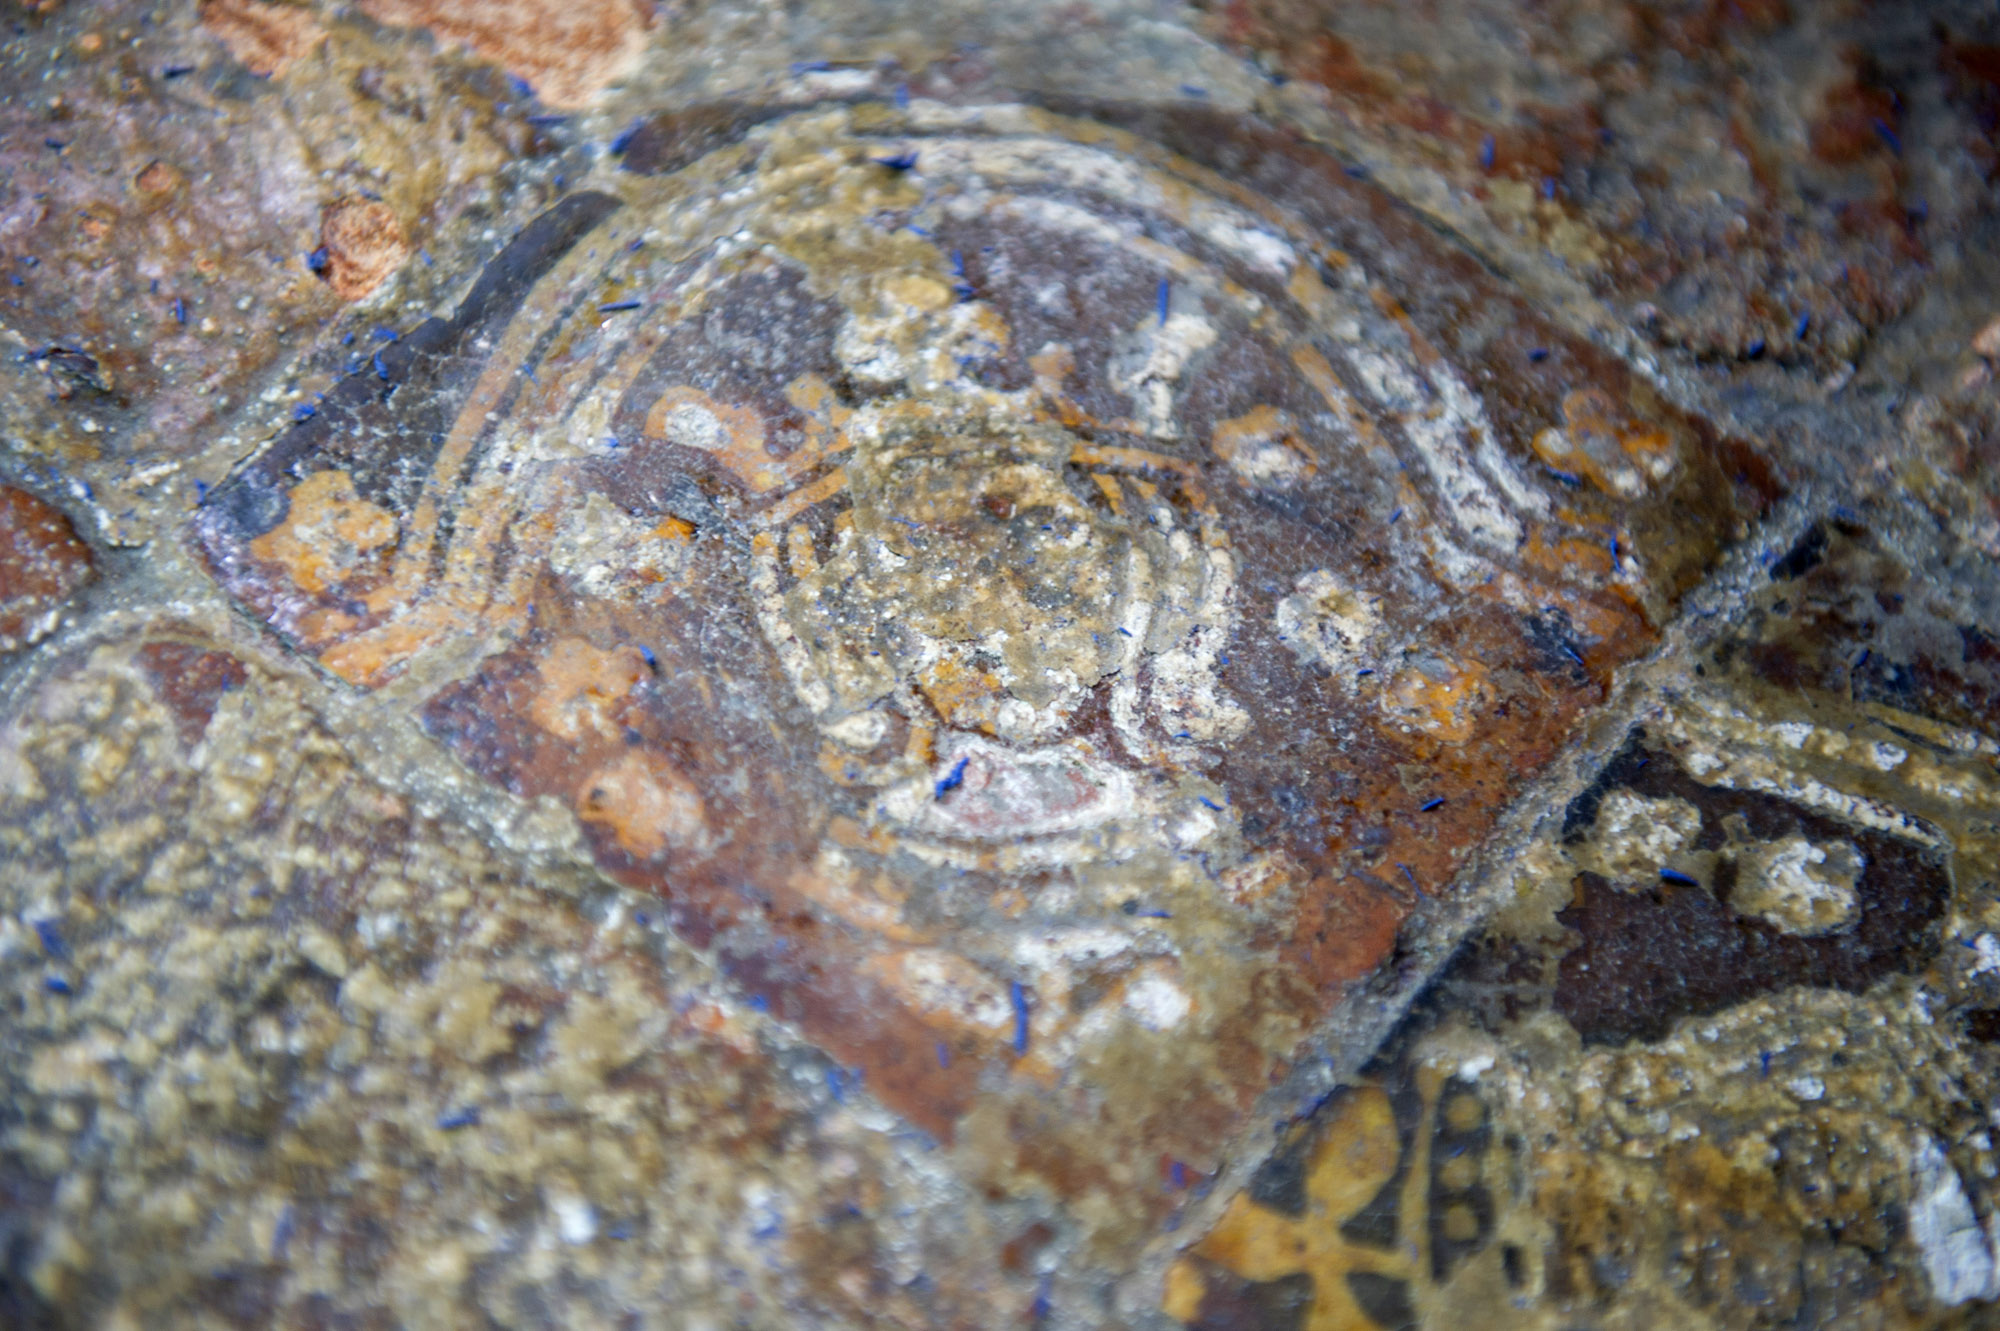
<point>566,50</point>
<point>1107,604</point>
<point>285,1051</point>
<point>41,563</point>
<point>1081,665</point>
<point>161,212</point>
<point>1659,1088</point>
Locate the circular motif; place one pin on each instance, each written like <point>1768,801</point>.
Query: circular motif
<point>1008,585</point>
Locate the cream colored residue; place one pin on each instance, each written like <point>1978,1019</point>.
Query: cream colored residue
<point>1442,698</point>
<point>952,994</point>
<point>582,686</point>
<point>1605,445</point>
<point>1263,448</point>
<point>1801,886</point>
<point>1635,836</point>
<point>608,552</point>
<point>329,533</point>
<point>645,803</point>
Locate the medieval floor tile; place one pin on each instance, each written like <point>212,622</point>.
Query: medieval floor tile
<point>282,1050</point>
<point>41,563</point>
<point>1036,608</point>
<point>1723,1062</point>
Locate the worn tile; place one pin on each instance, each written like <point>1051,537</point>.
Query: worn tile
<point>281,1049</point>
<point>170,187</point>
<point>1739,180</point>
<point>1038,610</point>
<point>41,563</point>
<point>1722,1060</point>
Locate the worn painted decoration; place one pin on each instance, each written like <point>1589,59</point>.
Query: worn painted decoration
<point>1040,611</point>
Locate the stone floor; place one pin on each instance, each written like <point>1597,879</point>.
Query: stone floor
<point>1109,664</point>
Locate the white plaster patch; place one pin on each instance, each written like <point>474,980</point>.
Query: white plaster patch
<point>1957,1254</point>
<point>1800,886</point>
<point>1437,431</point>
<point>983,791</point>
<point>1156,1002</point>
<point>1148,370</point>
<point>1986,954</point>
<point>576,1220</point>
<point>604,548</point>
<point>1635,834</point>
<point>1328,623</point>
<point>691,425</point>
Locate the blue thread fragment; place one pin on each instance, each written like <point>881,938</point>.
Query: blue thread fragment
<point>1573,655</point>
<point>951,781</point>
<point>200,493</point>
<point>1428,805</point>
<point>1409,874</point>
<point>305,411</point>
<point>1364,672</point>
<point>646,655</point>
<point>1799,327</point>
<point>453,1120</point>
<point>180,310</point>
<point>1394,518</point>
<point>1019,997</point>
<point>1538,354</point>
<point>52,940</point>
<point>901,161</point>
<point>56,984</point>
<point>1764,1062</point>
<point>614,306</point>
<point>1568,478</point>
<point>1677,877</point>
<point>1754,350</point>
<point>1889,136</point>
<point>381,368</point>
<point>1166,296</point>
<point>623,139</point>
<point>176,71</point>
<point>1211,804</point>
<point>545,120</point>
